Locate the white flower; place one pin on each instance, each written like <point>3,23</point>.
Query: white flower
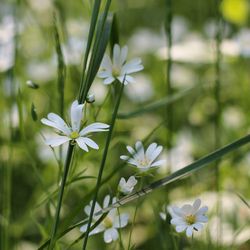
<point>74,132</point>
<point>189,217</point>
<point>118,68</point>
<point>110,224</point>
<point>127,187</point>
<point>141,159</point>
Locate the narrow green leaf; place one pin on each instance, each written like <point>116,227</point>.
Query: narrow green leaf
<point>157,104</point>
<point>33,112</point>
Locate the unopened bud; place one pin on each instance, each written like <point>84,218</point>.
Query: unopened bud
<point>90,98</point>
<point>32,85</point>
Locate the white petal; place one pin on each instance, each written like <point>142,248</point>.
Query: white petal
<point>60,127</point>
<point>122,182</point>
<point>156,153</point>
<point>109,80</point>
<point>187,209</point>
<point>87,141</point>
<point>56,141</point>
<point>128,79</point>
<point>198,226</point>
<point>158,163</point>
<point>60,122</point>
<point>196,205</point>
<point>132,66</point>
<point>202,210</point>
<point>139,148</point>
<point>124,53</point>
<point>132,181</point>
<point>106,63</point>
<point>121,221</point>
<point>105,74</point>
<point>163,216</point>
<point>81,143</point>
<point>116,55</point>
<point>180,228</point>
<point>94,127</point>
<point>189,231</point>
<point>151,148</point>
<point>124,157</point>
<point>76,115</point>
<point>106,201</point>
<point>131,150</point>
<point>110,235</point>
<point>177,211</point>
<point>202,218</point>
<point>177,221</point>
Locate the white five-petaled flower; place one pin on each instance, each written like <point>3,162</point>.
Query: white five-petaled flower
<point>189,217</point>
<point>73,132</point>
<point>110,224</point>
<point>127,187</point>
<point>141,159</point>
<point>118,68</point>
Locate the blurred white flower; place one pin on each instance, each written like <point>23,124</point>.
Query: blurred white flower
<point>194,49</point>
<point>134,91</point>
<point>73,50</point>
<point>127,187</point>
<point>7,44</point>
<point>110,224</point>
<point>189,217</point>
<point>144,161</point>
<point>74,132</point>
<point>118,68</point>
<point>243,41</point>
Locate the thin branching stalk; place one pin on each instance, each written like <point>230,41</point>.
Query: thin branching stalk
<point>217,120</point>
<point>99,178</point>
<point>169,108</point>
<point>60,196</point>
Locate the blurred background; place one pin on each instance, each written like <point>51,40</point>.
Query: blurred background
<point>209,65</point>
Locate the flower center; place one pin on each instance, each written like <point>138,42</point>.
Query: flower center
<point>74,135</point>
<point>116,71</point>
<point>190,219</point>
<point>144,162</point>
<point>107,222</point>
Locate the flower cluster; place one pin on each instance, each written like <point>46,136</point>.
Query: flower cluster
<point>186,218</point>
<point>110,225</point>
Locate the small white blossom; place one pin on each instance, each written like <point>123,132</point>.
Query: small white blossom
<point>110,224</point>
<point>189,217</point>
<point>141,159</point>
<point>118,68</point>
<point>74,132</point>
<point>127,187</point>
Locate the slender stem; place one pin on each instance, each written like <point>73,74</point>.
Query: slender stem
<point>169,111</point>
<point>99,178</point>
<point>60,196</point>
<point>217,125</point>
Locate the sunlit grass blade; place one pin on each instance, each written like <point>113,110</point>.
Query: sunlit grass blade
<point>98,49</point>
<point>94,17</point>
<point>61,68</point>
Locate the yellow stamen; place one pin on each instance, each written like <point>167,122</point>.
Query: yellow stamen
<point>74,135</point>
<point>144,162</point>
<point>116,71</point>
<point>190,219</point>
<point>107,222</point>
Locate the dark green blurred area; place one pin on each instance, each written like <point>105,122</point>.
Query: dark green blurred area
<point>30,54</point>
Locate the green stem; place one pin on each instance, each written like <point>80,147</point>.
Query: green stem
<point>60,196</point>
<point>217,125</point>
<point>99,178</point>
<point>169,111</point>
